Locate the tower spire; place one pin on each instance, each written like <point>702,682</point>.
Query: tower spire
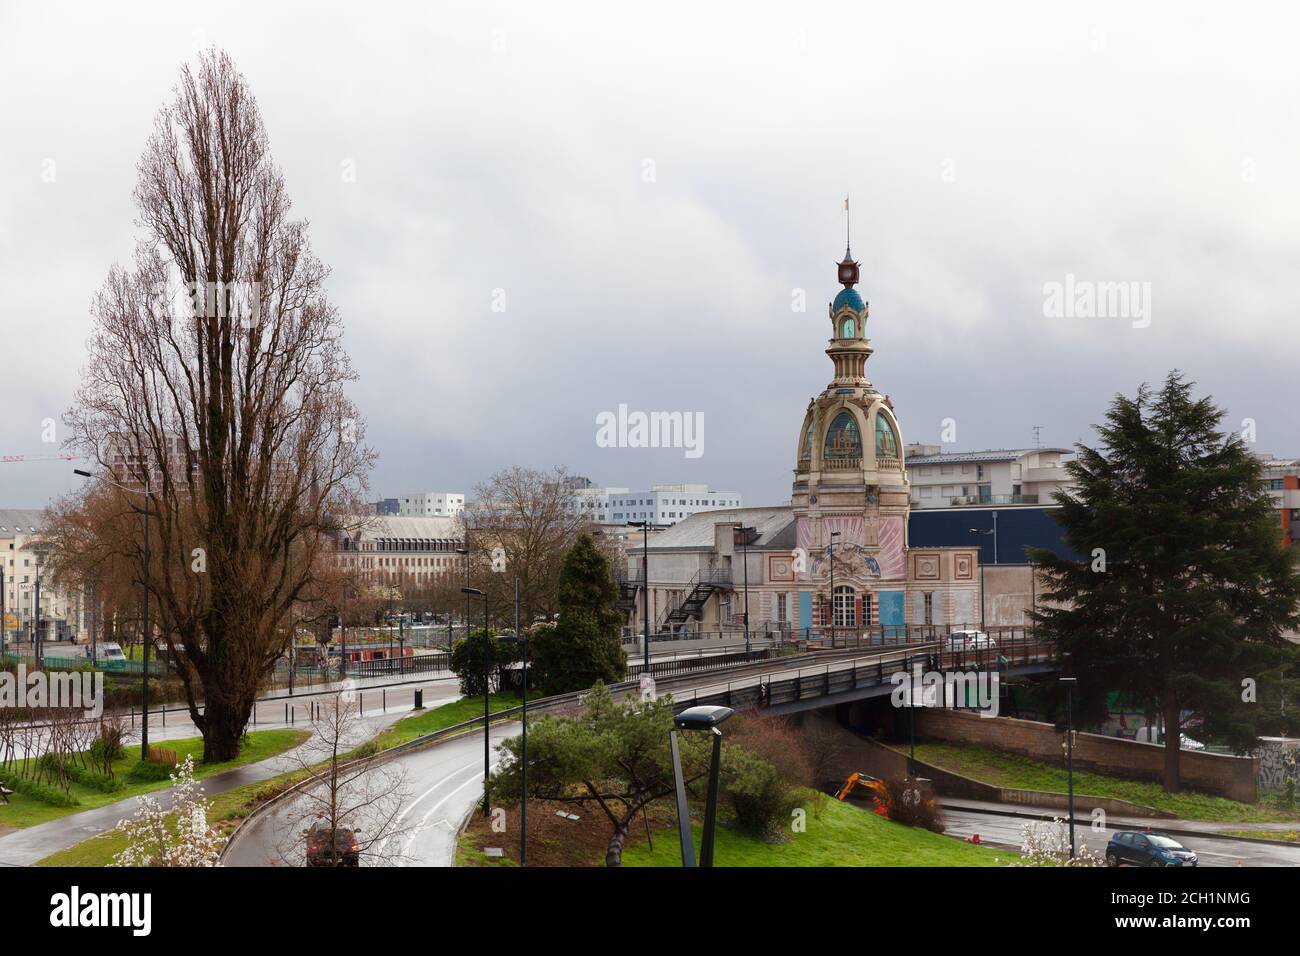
<point>848,234</point>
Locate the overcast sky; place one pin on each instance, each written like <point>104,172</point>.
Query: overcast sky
<point>651,185</point>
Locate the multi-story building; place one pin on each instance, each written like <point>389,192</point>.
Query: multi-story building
<point>667,504</point>
<point>430,504</point>
<point>1282,482</point>
<point>1008,476</point>
<point>388,506</point>
<point>593,503</point>
<point>387,550</point>
<point>22,555</point>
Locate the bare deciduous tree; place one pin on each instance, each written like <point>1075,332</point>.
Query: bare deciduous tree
<point>521,525</point>
<point>363,796</point>
<point>229,408</point>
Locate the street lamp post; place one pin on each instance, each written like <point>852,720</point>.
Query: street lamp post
<point>698,718</point>
<point>993,531</point>
<point>834,535</point>
<point>462,551</point>
<point>523,747</point>
<point>144,676</point>
<point>487,751</point>
<point>37,645</point>
<point>2,609</point>
<point>744,547</point>
<point>645,583</point>
<point>1069,683</point>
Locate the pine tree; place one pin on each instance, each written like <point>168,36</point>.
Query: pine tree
<point>583,647</point>
<point>1185,588</point>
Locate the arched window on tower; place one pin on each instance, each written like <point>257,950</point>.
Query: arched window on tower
<point>846,612</point>
<point>886,440</point>
<point>843,439</point>
<point>806,452</point>
<point>848,329</point>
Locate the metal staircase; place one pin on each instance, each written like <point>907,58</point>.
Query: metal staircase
<point>698,592</point>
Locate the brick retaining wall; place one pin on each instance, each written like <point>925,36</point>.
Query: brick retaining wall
<point>1220,774</point>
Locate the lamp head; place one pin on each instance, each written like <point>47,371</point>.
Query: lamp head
<point>703,717</point>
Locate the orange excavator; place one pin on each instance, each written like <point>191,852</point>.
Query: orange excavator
<point>875,789</point>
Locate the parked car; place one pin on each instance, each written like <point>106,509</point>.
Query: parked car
<point>346,850</point>
<point>970,641</point>
<point>1147,849</point>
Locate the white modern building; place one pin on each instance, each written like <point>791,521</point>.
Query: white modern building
<point>430,504</point>
<point>593,503</point>
<point>1005,476</point>
<point>667,504</point>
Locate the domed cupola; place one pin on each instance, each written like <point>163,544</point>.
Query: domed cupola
<point>849,348</point>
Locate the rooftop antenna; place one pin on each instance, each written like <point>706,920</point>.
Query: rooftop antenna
<point>1038,436</point>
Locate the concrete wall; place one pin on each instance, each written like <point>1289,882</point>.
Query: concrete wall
<point>1226,776</point>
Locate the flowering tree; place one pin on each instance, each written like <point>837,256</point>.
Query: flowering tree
<point>176,837</point>
<point>1047,843</point>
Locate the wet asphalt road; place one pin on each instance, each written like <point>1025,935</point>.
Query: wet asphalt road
<point>1006,831</point>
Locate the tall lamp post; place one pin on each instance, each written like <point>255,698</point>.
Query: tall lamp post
<point>523,749</point>
<point>704,718</point>
<point>744,549</point>
<point>834,535</point>
<point>645,582</point>
<point>2,608</point>
<point>1069,683</point>
<point>144,676</point>
<point>993,531</point>
<point>465,552</point>
<point>470,593</point>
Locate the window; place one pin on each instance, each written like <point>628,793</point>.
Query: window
<point>780,607</point>
<point>807,439</point>
<point>843,440</point>
<point>886,440</point>
<point>848,329</point>
<point>845,613</point>
<point>928,599</point>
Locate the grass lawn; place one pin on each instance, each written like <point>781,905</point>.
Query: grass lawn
<point>1290,836</point>
<point>1010,770</point>
<point>837,834</point>
<point>443,716</point>
<point>228,808</point>
<point>25,811</point>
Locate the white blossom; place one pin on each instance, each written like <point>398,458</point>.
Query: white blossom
<point>1047,843</point>
<point>176,837</point>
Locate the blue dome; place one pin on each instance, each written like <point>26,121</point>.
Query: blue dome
<point>850,298</point>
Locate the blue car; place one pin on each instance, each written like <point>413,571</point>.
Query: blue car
<point>1147,849</point>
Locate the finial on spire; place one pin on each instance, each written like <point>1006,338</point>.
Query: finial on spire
<point>848,221</point>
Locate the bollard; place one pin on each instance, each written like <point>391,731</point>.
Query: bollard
<point>286,713</point>
<point>419,698</point>
<point>384,698</point>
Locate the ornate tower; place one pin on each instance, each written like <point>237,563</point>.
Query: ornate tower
<point>850,487</point>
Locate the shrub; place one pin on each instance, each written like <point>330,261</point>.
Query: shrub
<point>38,791</point>
<point>94,779</point>
<point>158,766</point>
<point>761,798</point>
<point>912,803</point>
<point>480,656</point>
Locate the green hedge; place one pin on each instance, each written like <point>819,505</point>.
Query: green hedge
<point>37,791</point>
